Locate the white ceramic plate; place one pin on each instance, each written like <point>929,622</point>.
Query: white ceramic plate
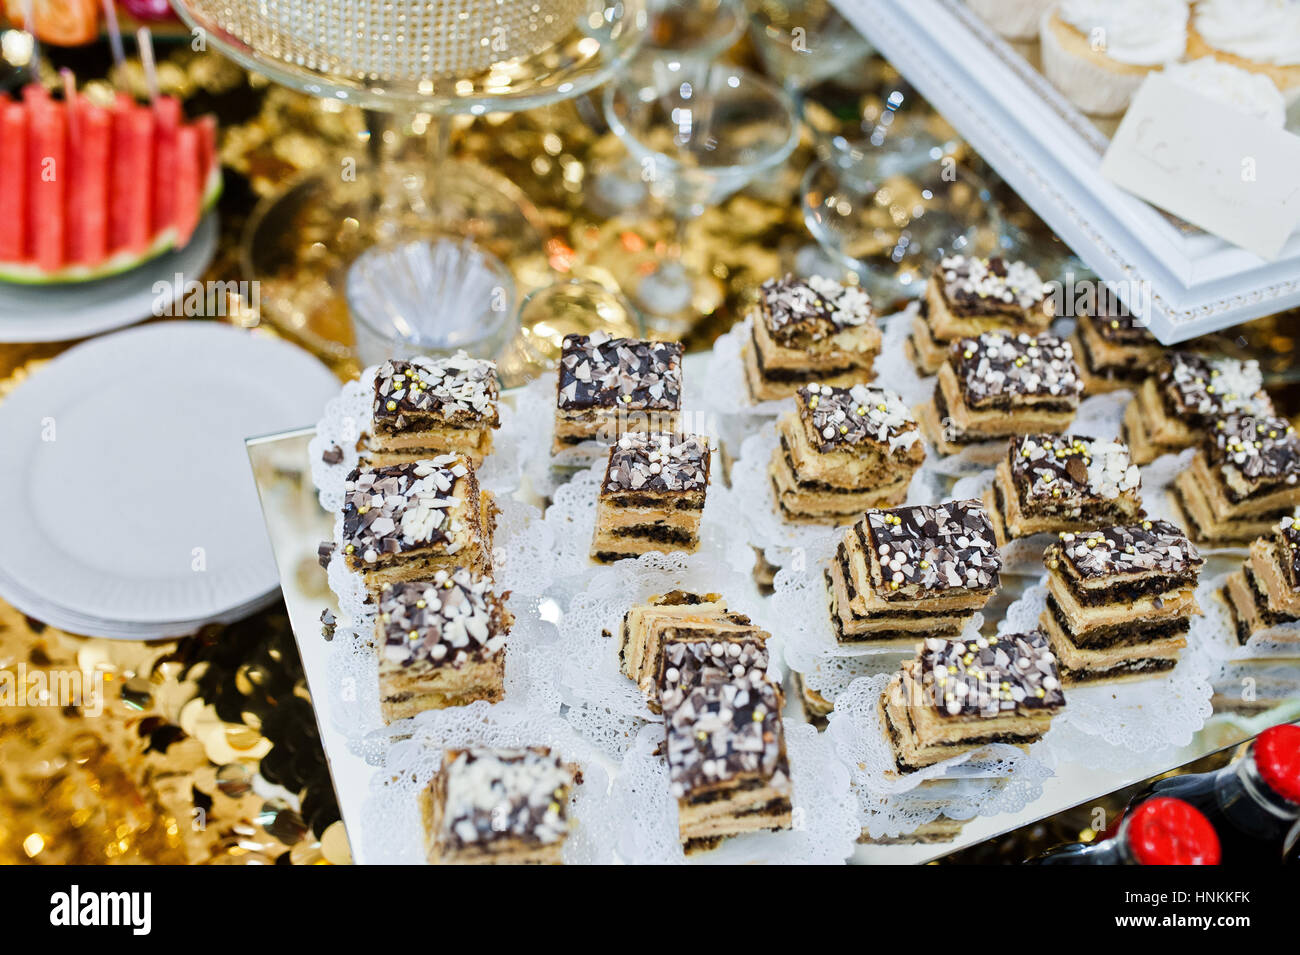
<point>130,504</point>
<point>60,313</point>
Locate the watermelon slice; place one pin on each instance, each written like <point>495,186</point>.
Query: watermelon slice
<point>88,191</point>
<point>13,181</point>
<point>49,172</point>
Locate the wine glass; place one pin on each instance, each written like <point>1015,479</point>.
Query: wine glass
<point>891,217</point>
<point>804,41</point>
<point>697,140</point>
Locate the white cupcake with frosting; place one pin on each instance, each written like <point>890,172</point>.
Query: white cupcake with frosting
<point>1014,19</point>
<point>1251,93</point>
<point>1262,36</point>
<point>1098,52</point>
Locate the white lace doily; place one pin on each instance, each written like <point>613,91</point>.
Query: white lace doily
<point>604,705</point>
<point>802,605</point>
<point>1215,631</point>
<point>728,389</point>
<point>348,417</point>
<point>824,814</point>
<point>571,519</point>
<point>390,816</point>
<point>1141,717</point>
<point>1100,416</point>
<point>994,779</point>
<point>768,529</point>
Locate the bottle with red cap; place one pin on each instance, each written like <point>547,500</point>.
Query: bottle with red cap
<point>1161,831</point>
<point>1253,803</point>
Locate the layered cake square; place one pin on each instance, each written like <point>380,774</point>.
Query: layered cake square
<point>441,643</point>
<point>806,330</point>
<point>407,521</point>
<point>1120,600</point>
<point>1114,349</point>
<point>1264,594</point>
<point>1244,479</point>
<point>652,497</point>
<point>677,615</point>
<point>843,450</point>
<point>430,406</point>
<point>922,570</point>
<point>957,696</point>
<point>488,806</point>
<point>1049,483</point>
<point>727,763</point>
<point>967,295</point>
<point>1189,392</point>
<point>1000,385</point>
<point>608,386</point>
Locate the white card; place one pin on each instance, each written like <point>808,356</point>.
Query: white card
<point>1226,172</point>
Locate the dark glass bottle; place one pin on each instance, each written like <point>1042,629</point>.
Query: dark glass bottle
<point>1253,803</point>
<point>1161,831</point>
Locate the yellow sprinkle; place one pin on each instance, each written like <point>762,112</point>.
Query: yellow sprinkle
<point>392,406</point>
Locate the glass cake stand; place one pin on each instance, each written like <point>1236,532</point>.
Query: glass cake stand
<point>412,65</point>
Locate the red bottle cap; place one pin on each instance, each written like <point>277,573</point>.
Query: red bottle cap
<point>1277,757</point>
<point>1164,831</point>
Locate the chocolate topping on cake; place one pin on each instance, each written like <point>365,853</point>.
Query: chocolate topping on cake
<point>718,732</point>
<point>841,417</point>
<point>1265,450</point>
<point>975,286</point>
<point>400,508</point>
<point>1198,385</point>
<point>597,371</point>
<point>1062,467</point>
<point>447,620</point>
<point>926,548</point>
<point>459,388</point>
<point>990,676</point>
<point>1149,547</point>
<point>498,794</point>
<point>1002,365</point>
<point>1121,328</point>
<point>688,664</point>
<point>812,309</point>
<point>658,461</point>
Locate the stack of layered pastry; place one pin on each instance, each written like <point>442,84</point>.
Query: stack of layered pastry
<point>1049,483</point>
<point>418,530</point>
<point>1186,397</point>
<point>652,495</point>
<point>843,450</point>
<point>490,806</point>
<point>607,387</point>
<point>706,669</point>
<point>956,697</point>
<point>806,330</point>
<point>1120,601</point>
<point>1113,349</point>
<point>999,385</point>
<point>908,572</point>
<point>1264,595</point>
<point>1244,478</point>
<point>967,296</point>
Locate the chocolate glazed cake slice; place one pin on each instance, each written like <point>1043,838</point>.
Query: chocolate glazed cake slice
<point>1244,478</point>
<point>425,407</point>
<point>727,763</point>
<point>1049,483</point>
<point>608,386</point>
<point>1264,595</point>
<point>652,497</point>
<point>805,330</point>
<point>956,697</point>
<point>908,572</point>
<point>489,806</point>
<point>843,450</point>
<point>1120,600</point>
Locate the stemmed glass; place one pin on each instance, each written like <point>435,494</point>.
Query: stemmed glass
<point>699,135</point>
<point>803,41</point>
